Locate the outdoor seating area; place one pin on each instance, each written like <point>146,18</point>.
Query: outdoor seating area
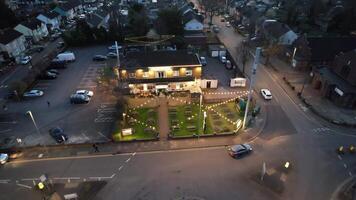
<point>142,121</point>
<point>184,121</point>
<point>223,117</point>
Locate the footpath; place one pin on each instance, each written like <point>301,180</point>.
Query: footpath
<point>111,148</point>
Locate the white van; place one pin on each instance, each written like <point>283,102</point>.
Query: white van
<point>66,56</point>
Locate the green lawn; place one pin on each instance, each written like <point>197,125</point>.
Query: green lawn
<point>218,123</point>
<point>148,116</point>
<point>185,118</point>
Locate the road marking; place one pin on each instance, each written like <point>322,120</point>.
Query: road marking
<point>7,130</point>
<point>64,178</point>
<point>128,160</point>
<point>5,181</point>
<point>101,177</point>
<point>113,175</point>
<point>340,158</point>
<point>120,168</point>
<point>103,135</point>
<point>12,122</point>
<point>30,179</point>
<point>34,182</point>
<point>25,186</point>
<point>345,166</point>
<point>133,154</point>
<point>350,174</point>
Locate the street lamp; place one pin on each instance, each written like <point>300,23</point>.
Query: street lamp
<point>29,113</point>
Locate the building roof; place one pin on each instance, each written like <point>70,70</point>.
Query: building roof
<point>135,60</point>
<point>326,48</point>
<point>334,79</point>
<point>274,28</point>
<point>32,24</point>
<point>191,15</point>
<point>50,15</point>
<point>9,35</point>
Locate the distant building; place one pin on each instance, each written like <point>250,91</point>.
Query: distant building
<point>34,29</point>
<point>338,81</point>
<point>173,71</point>
<point>98,19</point>
<point>51,19</point>
<point>278,33</point>
<point>12,43</point>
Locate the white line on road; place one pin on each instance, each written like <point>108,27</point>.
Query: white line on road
<point>30,179</point>
<point>350,174</point>
<point>120,168</point>
<point>128,160</point>
<point>64,178</point>
<point>7,130</point>
<point>340,158</point>
<point>113,175</point>
<point>11,122</point>
<point>25,186</point>
<point>101,177</point>
<point>345,165</point>
<point>34,183</point>
<point>5,180</point>
<point>133,154</point>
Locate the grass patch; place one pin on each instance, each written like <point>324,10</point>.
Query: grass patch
<point>148,116</point>
<point>186,120</point>
<point>219,124</point>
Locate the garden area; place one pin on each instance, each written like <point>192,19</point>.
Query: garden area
<point>137,123</point>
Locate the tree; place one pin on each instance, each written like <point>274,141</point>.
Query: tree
<point>138,20</point>
<point>7,17</point>
<point>242,50</point>
<point>271,50</point>
<point>170,22</point>
<point>212,7</point>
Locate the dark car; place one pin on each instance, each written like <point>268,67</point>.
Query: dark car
<point>239,150</point>
<point>58,134</point>
<point>99,58</point>
<point>79,99</point>
<point>57,64</point>
<point>47,75</point>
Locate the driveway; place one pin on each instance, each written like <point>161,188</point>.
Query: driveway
<point>82,123</point>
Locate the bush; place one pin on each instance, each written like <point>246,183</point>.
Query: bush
<point>120,106</point>
<point>18,86</point>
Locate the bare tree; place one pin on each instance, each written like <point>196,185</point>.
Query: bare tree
<point>211,7</point>
<point>242,50</point>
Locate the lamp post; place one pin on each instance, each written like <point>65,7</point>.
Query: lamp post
<point>252,77</point>
<point>29,113</point>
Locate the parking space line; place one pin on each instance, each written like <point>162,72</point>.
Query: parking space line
<point>340,158</point>
<point>350,174</point>
<point>25,186</point>
<point>120,168</point>
<point>345,166</point>
<point>128,160</point>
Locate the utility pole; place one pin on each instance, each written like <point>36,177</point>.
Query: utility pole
<point>118,60</point>
<point>252,77</point>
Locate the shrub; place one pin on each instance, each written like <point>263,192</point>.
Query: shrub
<point>18,86</point>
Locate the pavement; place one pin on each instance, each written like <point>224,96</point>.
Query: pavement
<point>320,106</point>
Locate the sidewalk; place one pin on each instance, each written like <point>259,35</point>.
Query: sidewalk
<point>131,147</point>
<point>312,101</point>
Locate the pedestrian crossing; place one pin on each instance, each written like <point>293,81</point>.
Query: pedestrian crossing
<point>320,130</point>
<point>4,86</point>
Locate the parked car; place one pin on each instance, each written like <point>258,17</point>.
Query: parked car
<point>66,56</point>
<point>58,134</point>
<point>222,59</point>
<point>228,24</point>
<point>203,61</point>
<point>99,58</point>
<point>4,157</point>
<point>33,93</point>
<point>57,64</point>
<point>228,64</point>
<point>53,71</point>
<point>267,95</point>
<point>47,75</point>
<point>113,47</point>
<point>85,92</point>
<point>111,55</point>
<point>216,29</point>
<point>25,60</point>
<point>239,150</point>
<point>79,99</point>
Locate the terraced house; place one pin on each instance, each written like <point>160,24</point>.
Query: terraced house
<point>156,71</point>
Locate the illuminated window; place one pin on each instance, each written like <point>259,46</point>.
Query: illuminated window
<point>132,75</point>
<point>175,73</point>
<point>145,75</point>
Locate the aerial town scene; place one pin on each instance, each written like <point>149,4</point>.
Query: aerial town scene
<point>177,99</point>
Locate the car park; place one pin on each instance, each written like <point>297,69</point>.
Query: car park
<point>25,60</point>
<point>85,92</point>
<point>58,134</point>
<point>4,157</point>
<point>203,61</point>
<point>79,99</point>
<point>57,64</point>
<point>111,55</point>
<point>239,150</point>
<point>47,75</point>
<point>33,93</point>
<point>266,94</point>
<point>99,58</point>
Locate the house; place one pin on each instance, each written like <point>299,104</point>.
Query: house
<point>51,19</point>
<point>338,82</point>
<point>69,9</point>
<point>12,43</point>
<point>192,21</point>
<point>34,29</point>
<point>173,71</point>
<point>319,51</point>
<point>98,19</point>
<point>278,33</point>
